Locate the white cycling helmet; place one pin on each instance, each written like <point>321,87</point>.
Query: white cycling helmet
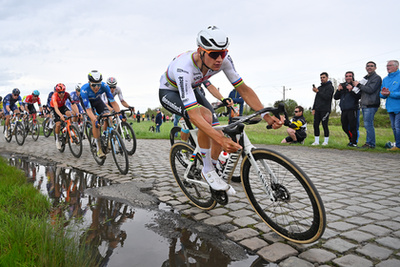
<point>78,87</point>
<point>111,81</point>
<point>212,38</point>
<point>95,77</point>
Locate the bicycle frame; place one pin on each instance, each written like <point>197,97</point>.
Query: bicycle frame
<point>233,158</point>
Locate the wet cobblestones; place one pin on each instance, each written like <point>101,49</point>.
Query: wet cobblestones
<point>360,190</point>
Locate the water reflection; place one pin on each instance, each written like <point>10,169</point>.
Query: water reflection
<point>111,228</point>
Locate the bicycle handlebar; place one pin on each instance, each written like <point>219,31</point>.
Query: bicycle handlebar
<point>275,111</point>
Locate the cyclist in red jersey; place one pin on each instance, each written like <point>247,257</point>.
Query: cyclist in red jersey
<point>30,100</point>
<point>60,109</point>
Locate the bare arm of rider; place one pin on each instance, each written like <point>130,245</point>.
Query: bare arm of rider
<point>215,92</point>
<point>75,109</point>
<point>58,111</point>
<point>199,121</point>
<point>115,106</point>
<point>254,102</point>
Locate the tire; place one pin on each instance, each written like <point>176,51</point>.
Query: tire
<point>9,134</point>
<point>298,214</point>
<point>93,148</point>
<point>19,132</point>
<point>199,194</point>
<point>88,127</point>
<point>46,129</point>
<point>129,137</point>
<point>119,152</point>
<point>75,141</point>
<point>35,131</point>
<point>63,139</point>
<point>175,136</point>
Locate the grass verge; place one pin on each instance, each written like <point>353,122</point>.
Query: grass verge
<point>26,236</point>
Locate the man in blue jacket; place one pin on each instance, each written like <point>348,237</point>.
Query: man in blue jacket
<point>391,92</point>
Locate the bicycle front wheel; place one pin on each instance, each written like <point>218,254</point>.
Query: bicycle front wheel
<point>129,137</point>
<point>19,133</point>
<point>194,187</point>
<point>119,152</point>
<point>75,141</point>
<point>46,127</point>
<point>294,209</point>
<point>35,131</point>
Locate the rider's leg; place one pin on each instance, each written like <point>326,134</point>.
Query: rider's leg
<point>208,171</point>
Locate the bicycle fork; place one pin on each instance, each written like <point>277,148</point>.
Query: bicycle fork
<point>248,147</point>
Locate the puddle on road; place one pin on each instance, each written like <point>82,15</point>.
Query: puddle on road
<point>120,234</point>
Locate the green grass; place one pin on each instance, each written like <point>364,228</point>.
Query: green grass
<point>258,134</point>
<point>26,236</point>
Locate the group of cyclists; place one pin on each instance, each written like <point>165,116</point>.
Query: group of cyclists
<point>178,93</point>
<point>93,98</point>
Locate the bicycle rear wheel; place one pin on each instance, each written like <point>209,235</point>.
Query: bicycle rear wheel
<point>119,152</point>
<point>62,139</point>
<point>35,131</point>
<point>195,187</point>
<point>128,136</point>
<point>297,213</point>
<point>8,139</point>
<point>88,128</point>
<point>19,133</point>
<point>93,148</point>
<point>176,135</point>
<point>75,141</point>
<point>46,127</point>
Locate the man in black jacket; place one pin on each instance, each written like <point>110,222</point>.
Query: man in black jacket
<point>349,107</point>
<point>322,108</point>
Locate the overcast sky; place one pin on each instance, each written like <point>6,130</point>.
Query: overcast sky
<point>273,43</point>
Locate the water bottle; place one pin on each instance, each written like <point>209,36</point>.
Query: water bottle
<point>223,157</point>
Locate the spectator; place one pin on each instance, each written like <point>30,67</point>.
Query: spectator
<point>349,106</point>
<point>369,86</point>
<point>322,108</point>
<point>159,120</point>
<point>237,100</point>
<point>138,116</point>
<point>391,92</point>
<point>297,127</point>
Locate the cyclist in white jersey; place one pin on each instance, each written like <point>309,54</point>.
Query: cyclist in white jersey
<point>179,94</point>
<point>115,90</point>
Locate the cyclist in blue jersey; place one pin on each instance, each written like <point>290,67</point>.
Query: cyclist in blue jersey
<point>76,99</point>
<point>10,106</point>
<point>91,97</point>
<point>179,93</point>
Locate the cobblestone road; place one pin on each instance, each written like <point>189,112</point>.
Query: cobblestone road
<point>360,190</point>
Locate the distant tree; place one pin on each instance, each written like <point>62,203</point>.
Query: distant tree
<point>290,105</point>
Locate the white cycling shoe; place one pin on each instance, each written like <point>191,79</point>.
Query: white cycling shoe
<point>216,182</point>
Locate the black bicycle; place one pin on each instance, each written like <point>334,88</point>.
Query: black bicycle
<point>111,141</point>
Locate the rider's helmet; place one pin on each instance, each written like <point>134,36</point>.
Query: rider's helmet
<point>1,98</point>
<point>78,87</point>
<point>212,38</point>
<point>95,77</point>
<point>16,91</point>
<point>36,93</point>
<point>60,87</point>
<point>112,82</point>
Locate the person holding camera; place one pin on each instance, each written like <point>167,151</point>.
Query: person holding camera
<point>322,107</point>
<point>297,127</point>
<point>349,97</point>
